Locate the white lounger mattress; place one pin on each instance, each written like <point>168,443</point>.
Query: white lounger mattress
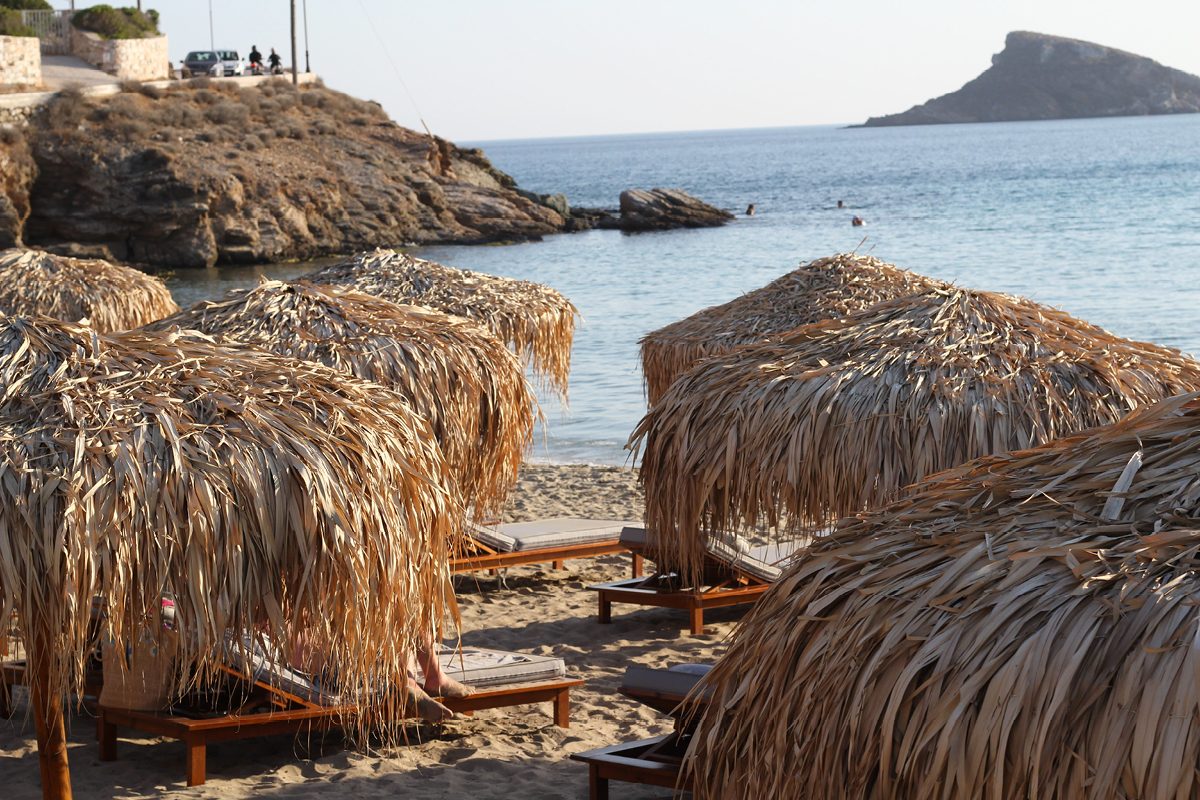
<point>541,534</point>
<point>477,667</point>
<point>761,562</point>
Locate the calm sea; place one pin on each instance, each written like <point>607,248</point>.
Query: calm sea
<point>1098,217</point>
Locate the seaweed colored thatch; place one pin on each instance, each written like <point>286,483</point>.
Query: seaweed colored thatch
<point>263,493</point>
<point>110,297</point>
<point>460,377</point>
<point>1025,626</point>
<point>535,320</point>
<point>837,417</point>
<point>818,290</point>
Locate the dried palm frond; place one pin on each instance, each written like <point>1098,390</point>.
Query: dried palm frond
<point>110,297</point>
<point>1024,626</point>
<point>838,416</point>
<point>455,373</point>
<point>535,320</point>
<point>818,290</point>
<point>264,493</point>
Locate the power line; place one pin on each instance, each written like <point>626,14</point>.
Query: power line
<point>395,69</point>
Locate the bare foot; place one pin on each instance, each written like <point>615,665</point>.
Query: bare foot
<point>447,687</point>
<point>419,703</point>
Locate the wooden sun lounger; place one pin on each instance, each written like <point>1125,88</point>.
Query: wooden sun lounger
<point>285,714</point>
<point>12,673</point>
<point>294,715</point>
<point>657,761</point>
<point>723,585</point>
<point>476,555</point>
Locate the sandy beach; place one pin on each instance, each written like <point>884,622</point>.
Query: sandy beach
<point>500,753</point>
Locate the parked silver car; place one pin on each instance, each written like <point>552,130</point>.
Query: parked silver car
<point>231,63</point>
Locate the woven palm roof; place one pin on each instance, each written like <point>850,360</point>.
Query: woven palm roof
<point>838,416</point>
<point>455,373</point>
<point>1021,626</point>
<point>818,290</point>
<point>110,297</point>
<point>261,492</point>
<point>533,319</point>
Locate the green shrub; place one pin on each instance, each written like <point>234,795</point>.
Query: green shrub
<point>11,25</point>
<point>26,5</point>
<point>117,23</point>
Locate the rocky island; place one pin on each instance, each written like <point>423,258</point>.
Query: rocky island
<point>1049,77</point>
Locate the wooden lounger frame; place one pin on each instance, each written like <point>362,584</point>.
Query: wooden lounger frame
<point>476,555</point>
<point>654,761</point>
<point>722,586</point>
<point>289,714</point>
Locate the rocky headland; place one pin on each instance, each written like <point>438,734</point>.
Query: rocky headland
<point>207,172</point>
<point>1048,77</point>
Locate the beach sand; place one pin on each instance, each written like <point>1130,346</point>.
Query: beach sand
<point>501,753</point>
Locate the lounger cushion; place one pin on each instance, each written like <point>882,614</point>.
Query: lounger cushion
<point>672,682</point>
<point>541,534</point>
<point>761,562</point>
<point>478,667</point>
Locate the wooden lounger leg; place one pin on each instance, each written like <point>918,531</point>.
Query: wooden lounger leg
<point>560,564</point>
<point>597,786</point>
<point>106,737</point>
<point>605,612</point>
<point>562,708</point>
<point>197,751</point>
<point>697,620</point>
<point>6,710</point>
<point>637,565</point>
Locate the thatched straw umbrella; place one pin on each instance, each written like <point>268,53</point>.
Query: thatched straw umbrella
<point>535,320</point>
<point>1026,626</point>
<point>460,377</point>
<point>837,416</point>
<point>263,492</point>
<point>110,297</point>
<point>819,290</point>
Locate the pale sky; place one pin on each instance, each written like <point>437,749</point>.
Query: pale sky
<point>505,69</point>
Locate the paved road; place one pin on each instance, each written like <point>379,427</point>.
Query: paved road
<point>58,71</point>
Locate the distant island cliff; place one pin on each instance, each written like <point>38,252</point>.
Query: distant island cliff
<point>1049,77</point>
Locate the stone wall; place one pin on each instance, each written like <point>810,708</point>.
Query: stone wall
<point>20,60</point>
<point>136,59</point>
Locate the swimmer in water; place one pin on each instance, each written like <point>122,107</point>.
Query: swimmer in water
<point>750,210</point>
<point>858,222</point>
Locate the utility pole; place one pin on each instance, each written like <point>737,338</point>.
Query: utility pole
<point>307,67</point>
<point>295,78</point>
<point>212,40</point>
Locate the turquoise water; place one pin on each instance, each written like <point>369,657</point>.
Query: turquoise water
<point>1099,217</point>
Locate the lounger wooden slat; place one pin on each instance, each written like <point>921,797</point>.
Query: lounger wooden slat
<point>484,558</point>
<point>197,733</point>
<point>495,546</point>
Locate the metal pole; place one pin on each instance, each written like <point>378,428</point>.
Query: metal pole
<point>212,40</point>
<point>307,68</point>
<point>295,78</point>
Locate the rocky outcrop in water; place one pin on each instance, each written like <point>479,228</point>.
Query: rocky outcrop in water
<point>1049,77</point>
<point>212,172</point>
<point>661,209</point>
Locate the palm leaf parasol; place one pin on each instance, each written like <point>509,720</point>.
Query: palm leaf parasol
<point>459,376</point>
<point>823,289</point>
<point>110,297</point>
<point>838,416</point>
<point>262,492</point>
<point>535,320</point>
<point>1022,626</point>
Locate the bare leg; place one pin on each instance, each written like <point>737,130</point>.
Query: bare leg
<point>419,703</point>
<point>437,682</point>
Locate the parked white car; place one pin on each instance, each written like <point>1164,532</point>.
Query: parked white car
<point>231,63</point>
